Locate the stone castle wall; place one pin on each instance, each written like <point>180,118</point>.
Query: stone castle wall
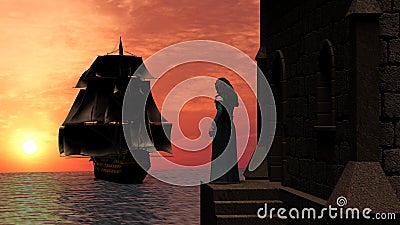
<point>389,88</point>
<point>316,157</point>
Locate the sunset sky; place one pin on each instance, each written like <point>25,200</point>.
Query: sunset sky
<point>46,45</point>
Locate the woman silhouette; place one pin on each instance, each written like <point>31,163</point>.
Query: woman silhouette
<point>224,166</point>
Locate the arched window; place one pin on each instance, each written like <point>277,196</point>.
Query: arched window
<point>325,92</point>
<point>277,159</point>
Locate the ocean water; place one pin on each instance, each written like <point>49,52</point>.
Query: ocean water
<point>79,198</point>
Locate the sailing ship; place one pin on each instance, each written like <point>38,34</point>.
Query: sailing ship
<point>94,126</point>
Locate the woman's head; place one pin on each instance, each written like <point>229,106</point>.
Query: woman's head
<point>225,90</point>
<point>223,85</point>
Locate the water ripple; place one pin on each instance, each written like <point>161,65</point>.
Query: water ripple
<point>78,198</point>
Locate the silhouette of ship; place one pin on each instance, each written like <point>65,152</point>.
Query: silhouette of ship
<point>94,125</point>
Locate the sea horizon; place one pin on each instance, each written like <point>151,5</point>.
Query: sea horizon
<point>68,171</point>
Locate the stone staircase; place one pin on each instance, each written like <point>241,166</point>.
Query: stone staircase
<point>238,203</point>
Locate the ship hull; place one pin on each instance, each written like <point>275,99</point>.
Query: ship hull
<point>121,171</point>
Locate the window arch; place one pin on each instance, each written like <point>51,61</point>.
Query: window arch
<point>277,159</point>
<point>325,90</point>
<point>278,80</point>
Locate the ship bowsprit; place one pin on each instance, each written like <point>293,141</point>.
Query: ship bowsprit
<point>94,125</point>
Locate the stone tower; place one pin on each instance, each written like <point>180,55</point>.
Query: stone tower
<point>334,68</point>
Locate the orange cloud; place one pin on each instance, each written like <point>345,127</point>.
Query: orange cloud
<point>46,45</point>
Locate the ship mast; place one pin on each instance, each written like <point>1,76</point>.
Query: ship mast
<point>121,49</point>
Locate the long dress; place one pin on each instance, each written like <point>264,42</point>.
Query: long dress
<point>224,168</point>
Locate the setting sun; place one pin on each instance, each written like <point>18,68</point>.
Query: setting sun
<point>29,147</point>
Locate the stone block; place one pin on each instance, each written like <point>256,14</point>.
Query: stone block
<point>300,86</point>
<point>343,131</point>
<point>320,172</point>
<point>347,57</point>
<point>389,87</point>
<point>345,153</point>
<point>308,129</point>
<point>299,127</point>
<point>391,105</point>
<point>391,161</point>
<point>291,143</point>
<point>291,53</point>
<point>301,184</point>
<point>308,169</point>
<point>299,67</point>
<point>396,5</point>
<point>301,107</point>
<point>312,114</point>
<point>387,134</point>
<point>380,105</point>
<point>380,155</point>
<point>342,31</point>
<point>326,12</point>
<point>291,88</point>
<point>296,147</point>
<point>293,166</point>
<point>397,134</point>
<point>340,106</point>
<point>386,5</point>
<point>384,52</point>
<point>340,57</point>
<point>389,24</point>
<point>333,154</point>
<point>310,82</point>
<point>316,18</point>
<point>390,78</point>
<point>394,51</point>
<point>389,74</point>
<point>303,163</point>
<point>314,61</point>
<point>300,147</point>
<point>395,182</point>
<point>311,147</point>
<point>300,45</point>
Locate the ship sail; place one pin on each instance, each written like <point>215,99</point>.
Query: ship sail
<point>93,126</point>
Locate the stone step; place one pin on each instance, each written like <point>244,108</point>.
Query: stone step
<point>248,220</point>
<point>244,207</point>
<point>243,194</point>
